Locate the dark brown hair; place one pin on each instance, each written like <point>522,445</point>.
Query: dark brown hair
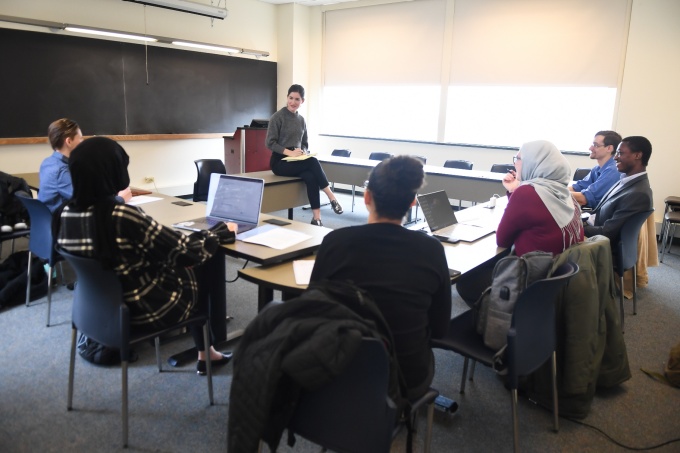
<point>60,130</point>
<point>611,138</point>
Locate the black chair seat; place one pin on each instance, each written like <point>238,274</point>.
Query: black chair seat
<point>204,168</point>
<point>466,341</point>
<point>502,168</point>
<point>581,173</point>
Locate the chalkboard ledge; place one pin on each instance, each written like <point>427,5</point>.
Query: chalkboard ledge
<point>119,138</point>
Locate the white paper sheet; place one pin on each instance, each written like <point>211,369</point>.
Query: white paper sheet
<point>303,271</point>
<point>141,199</point>
<point>278,238</point>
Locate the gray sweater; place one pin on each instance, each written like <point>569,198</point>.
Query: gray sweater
<point>286,130</point>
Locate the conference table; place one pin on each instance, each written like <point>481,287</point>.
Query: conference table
<point>470,185</point>
<point>461,257</point>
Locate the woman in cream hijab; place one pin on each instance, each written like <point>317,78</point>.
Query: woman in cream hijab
<point>541,213</point>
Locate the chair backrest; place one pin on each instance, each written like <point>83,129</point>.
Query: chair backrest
<point>531,338</point>
<point>379,156</point>
<point>422,159</point>
<point>353,412</point>
<point>341,153</point>
<point>206,167</point>
<point>462,164</point>
<point>41,241</point>
<point>581,173</point>
<point>627,246</point>
<point>502,168</point>
<point>98,309</point>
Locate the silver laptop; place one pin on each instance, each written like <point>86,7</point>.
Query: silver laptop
<point>443,223</point>
<point>231,198</point>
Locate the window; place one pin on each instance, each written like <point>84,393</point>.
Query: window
<point>486,72</point>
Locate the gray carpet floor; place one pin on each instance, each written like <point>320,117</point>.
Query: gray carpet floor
<point>169,411</point>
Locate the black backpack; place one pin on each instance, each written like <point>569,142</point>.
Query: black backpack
<point>12,211</point>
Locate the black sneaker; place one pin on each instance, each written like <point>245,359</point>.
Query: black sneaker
<point>317,222</point>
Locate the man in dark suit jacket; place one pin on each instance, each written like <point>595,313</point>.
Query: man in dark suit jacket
<point>632,194</point>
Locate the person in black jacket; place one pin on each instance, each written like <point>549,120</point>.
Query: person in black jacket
<point>405,271</point>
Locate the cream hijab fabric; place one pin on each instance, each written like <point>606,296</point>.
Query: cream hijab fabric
<point>547,170</point>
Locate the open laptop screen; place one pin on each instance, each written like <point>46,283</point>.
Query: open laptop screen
<point>235,198</point>
<point>437,210</point>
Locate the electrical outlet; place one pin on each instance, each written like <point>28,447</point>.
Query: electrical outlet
<point>149,179</point>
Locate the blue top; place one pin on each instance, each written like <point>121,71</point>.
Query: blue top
<point>598,182</point>
<point>55,181</point>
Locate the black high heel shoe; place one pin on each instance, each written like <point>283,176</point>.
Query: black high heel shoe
<point>201,367</point>
<point>336,207</point>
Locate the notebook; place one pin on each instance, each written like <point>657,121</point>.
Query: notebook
<point>443,223</point>
<point>231,198</point>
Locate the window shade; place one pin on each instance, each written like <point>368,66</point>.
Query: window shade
<point>538,42</point>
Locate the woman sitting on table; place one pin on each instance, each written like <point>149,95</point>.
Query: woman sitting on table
<point>159,268</point>
<point>287,137</point>
<point>405,271</point>
<point>541,213</point>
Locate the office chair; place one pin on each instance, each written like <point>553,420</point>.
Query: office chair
<point>670,217</point>
<point>502,168</point>
<point>380,156</point>
<point>353,412</point>
<point>100,313</point>
<point>531,338</point>
<point>626,254</point>
<point>461,164</point>
<point>580,173</point>
<point>373,156</point>
<point>41,243</point>
<point>206,167</point>
<point>340,153</point>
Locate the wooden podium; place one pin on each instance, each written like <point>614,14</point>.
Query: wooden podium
<point>246,151</point>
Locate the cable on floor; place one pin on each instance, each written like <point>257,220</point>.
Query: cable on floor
<point>627,447</point>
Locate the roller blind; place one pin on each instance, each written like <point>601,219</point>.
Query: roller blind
<point>489,72</point>
<point>538,42</point>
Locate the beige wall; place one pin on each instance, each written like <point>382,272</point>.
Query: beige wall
<point>293,35</point>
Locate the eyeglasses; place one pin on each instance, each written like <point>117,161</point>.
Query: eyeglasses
<point>515,159</point>
<point>597,145</point>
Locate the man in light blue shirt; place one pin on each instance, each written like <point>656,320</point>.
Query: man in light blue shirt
<point>55,179</point>
<point>56,187</point>
<point>590,190</point>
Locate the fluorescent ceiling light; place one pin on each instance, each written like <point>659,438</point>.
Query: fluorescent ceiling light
<point>256,53</point>
<point>186,7</point>
<point>57,27</point>
<point>113,34</point>
<point>207,47</point>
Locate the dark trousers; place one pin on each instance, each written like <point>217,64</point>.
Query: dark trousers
<point>203,275</point>
<point>309,170</point>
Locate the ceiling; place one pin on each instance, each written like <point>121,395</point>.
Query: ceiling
<point>307,2</point>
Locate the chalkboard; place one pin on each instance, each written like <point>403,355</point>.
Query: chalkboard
<point>103,86</point>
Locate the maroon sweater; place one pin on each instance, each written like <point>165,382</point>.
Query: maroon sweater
<point>528,225</point>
